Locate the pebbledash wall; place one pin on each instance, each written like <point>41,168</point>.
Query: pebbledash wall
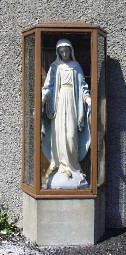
<point>16,15</point>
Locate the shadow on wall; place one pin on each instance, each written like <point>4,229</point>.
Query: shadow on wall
<point>116,147</point>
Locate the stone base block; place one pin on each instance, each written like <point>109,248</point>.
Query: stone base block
<point>63,221</point>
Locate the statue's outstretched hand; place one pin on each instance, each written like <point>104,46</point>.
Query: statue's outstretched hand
<point>43,100</point>
<point>88,101</point>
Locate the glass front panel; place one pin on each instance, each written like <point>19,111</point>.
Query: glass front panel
<point>29,75</point>
<point>66,139</point>
<point>101,110</point>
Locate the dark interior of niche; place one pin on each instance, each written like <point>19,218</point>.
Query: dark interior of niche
<point>82,48</point>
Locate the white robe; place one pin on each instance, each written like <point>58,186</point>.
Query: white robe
<point>64,140</point>
<point>65,110</point>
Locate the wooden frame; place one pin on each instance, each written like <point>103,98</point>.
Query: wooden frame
<point>36,191</point>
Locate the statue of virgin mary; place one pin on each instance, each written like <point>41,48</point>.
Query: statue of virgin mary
<point>65,130</point>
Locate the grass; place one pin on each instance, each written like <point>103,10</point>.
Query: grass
<point>6,227</point>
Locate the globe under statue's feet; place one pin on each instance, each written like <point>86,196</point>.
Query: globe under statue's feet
<point>58,180</point>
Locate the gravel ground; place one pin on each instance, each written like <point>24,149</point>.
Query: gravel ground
<point>113,243</point>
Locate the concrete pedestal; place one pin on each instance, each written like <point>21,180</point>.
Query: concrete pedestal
<point>63,221</point>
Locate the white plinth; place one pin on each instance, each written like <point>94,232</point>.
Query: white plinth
<point>63,221</point>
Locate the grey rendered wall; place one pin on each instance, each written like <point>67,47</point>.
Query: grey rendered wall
<point>16,15</point>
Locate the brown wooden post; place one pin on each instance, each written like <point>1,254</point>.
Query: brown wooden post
<point>37,144</point>
<point>94,113</point>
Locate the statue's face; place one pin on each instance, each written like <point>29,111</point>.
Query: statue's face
<point>65,53</point>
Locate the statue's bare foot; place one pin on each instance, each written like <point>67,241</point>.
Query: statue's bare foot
<point>49,171</point>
